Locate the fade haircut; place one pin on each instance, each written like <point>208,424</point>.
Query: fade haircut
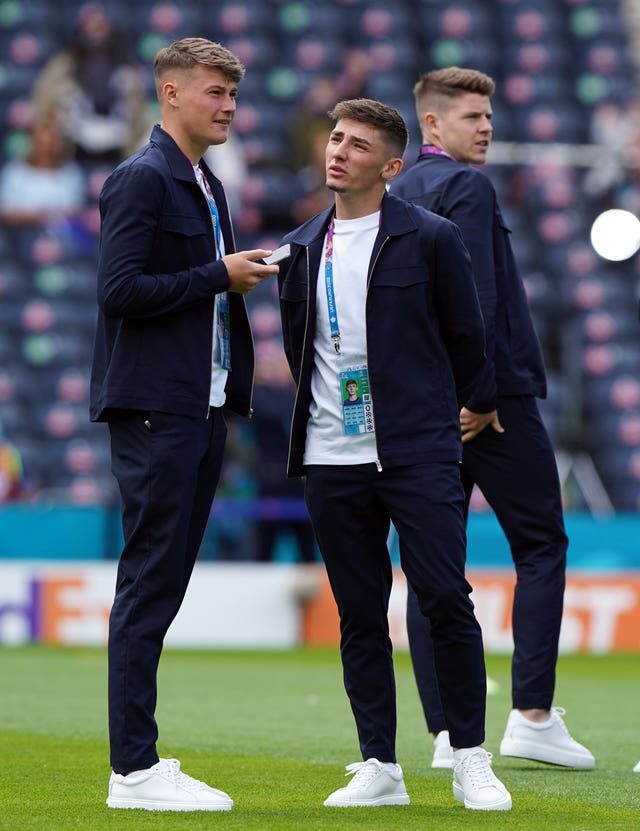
<point>446,84</point>
<point>384,118</point>
<point>190,52</point>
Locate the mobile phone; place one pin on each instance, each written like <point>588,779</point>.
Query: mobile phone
<point>278,255</point>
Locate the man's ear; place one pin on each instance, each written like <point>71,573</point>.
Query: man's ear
<point>391,168</point>
<point>430,121</point>
<point>170,92</point>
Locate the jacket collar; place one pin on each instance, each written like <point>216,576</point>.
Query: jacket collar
<point>396,220</point>
<point>179,164</point>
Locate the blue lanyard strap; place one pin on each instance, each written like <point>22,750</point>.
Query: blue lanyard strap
<point>222,299</point>
<point>213,210</point>
<point>328,284</point>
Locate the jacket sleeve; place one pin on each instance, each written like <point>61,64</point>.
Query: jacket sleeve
<point>288,316</point>
<point>132,219</point>
<point>469,201</point>
<point>458,309</point>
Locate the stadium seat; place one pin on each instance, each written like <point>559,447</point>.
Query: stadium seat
<point>457,20</point>
<point>236,18</point>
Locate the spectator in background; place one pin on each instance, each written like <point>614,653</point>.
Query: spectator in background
<point>96,88</point>
<point>228,162</point>
<point>310,118</point>
<point>11,470</point>
<point>312,195</point>
<point>47,185</point>
<point>310,128</point>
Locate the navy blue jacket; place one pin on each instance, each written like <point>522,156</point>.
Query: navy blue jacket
<point>467,197</point>
<point>425,337</point>
<point>157,281</point>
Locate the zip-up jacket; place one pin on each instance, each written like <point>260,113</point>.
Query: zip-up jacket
<point>157,280</point>
<point>425,336</point>
<point>467,197</point>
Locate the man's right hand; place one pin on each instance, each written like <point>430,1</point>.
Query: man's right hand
<point>473,423</point>
<point>244,272</point>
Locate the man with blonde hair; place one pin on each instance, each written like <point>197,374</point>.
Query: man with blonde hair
<point>173,348</point>
<point>506,450</point>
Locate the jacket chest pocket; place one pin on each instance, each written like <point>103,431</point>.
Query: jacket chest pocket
<point>185,226</point>
<point>404,277</point>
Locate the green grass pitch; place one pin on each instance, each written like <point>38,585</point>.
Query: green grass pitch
<point>274,729</point>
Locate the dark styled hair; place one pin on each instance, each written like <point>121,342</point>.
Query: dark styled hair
<point>376,114</point>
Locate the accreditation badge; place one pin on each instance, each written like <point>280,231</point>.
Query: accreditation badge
<point>357,407</point>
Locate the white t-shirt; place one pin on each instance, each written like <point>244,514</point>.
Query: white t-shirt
<point>326,442</point>
<point>217,394</point>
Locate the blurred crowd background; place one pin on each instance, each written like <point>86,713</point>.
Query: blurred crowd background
<point>77,97</point>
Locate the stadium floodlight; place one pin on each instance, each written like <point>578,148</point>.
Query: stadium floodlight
<point>615,234</point>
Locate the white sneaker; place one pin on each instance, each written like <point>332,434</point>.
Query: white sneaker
<point>637,768</point>
<point>374,783</point>
<point>547,741</point>
<point>475,783</point>
<point>164,787</point>
<point>442,751</point>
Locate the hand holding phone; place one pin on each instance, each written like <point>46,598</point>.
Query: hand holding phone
<point>278,255</point>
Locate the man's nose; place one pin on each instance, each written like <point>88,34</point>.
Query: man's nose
<point>340,149</point>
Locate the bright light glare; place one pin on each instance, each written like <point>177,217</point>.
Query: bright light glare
<point>615,234</point>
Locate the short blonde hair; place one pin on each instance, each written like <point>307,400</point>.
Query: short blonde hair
<point>450,83</point>
<point>190,52</point>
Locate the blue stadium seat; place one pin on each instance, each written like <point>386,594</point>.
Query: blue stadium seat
<point>234,18</point>
<point>607,360</point>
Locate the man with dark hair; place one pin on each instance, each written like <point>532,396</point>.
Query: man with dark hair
<point>381,290</point>
<point>506,449</point>
<point>173,347</point>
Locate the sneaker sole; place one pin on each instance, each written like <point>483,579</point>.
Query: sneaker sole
<point>522,750</point>
<point>396,799</point>
<point>502,805</point>
<point>150,805</point>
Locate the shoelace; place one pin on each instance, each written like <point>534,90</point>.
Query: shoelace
<point>362,772</point>
<point>560,711</point>
<point>172,767</point>
<point>477,766</point>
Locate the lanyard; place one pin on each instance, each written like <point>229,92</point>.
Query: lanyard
<point>328,284</point>
<point>432,150</point>
<point>222,299</point>
<point>213,208</point>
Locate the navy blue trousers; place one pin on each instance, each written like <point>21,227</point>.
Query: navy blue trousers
<point>351,508</point>
<point>167,471</point>
<point>516,471</point>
